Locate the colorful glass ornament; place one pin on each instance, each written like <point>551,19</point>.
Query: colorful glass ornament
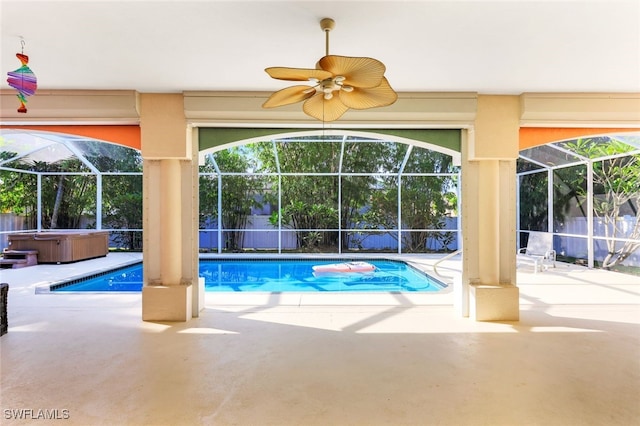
<point>23,80</point>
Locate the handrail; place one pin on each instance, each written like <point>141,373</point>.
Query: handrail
<point>450,255</point>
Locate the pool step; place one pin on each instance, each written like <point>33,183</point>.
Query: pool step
<point>18,258</point>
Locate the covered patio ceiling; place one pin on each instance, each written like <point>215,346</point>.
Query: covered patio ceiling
<point>484,46</point>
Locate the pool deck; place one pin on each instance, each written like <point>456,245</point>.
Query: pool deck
<point>318,359</point>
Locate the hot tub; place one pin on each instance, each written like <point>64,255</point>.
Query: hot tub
<point>62,246</point>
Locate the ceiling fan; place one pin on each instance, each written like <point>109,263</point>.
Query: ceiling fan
<point>338,83</point>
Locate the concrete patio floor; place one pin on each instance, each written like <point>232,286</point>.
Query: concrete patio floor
<point>89,359</point>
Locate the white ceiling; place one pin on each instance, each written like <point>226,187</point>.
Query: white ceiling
<point>498,47</point>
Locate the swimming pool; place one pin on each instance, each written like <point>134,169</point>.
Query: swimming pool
<point>272,275</point>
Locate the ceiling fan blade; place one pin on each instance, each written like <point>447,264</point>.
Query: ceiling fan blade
<point>361,98</point>
<point>297,74</point>
<point>324,109</point>
<point>358,72</point>
<point>289,95</point>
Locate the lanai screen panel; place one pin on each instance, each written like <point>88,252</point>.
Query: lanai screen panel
<point>343,191</point>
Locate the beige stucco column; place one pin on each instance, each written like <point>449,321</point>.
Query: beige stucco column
<point>489,155</point>
<point>171,288</point>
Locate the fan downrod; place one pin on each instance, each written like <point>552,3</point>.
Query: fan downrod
<point>327,24</point>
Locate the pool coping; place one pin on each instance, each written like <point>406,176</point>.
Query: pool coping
<point>46,288</point>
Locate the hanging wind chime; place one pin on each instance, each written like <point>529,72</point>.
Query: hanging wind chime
<point>23,80</point>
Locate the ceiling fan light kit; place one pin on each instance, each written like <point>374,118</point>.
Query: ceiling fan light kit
<point>339,83</point>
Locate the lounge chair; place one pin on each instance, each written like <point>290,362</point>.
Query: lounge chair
<point>539,251</point>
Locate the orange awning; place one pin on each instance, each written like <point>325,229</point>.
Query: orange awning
<point>534,136</point>
<point>122,135</point>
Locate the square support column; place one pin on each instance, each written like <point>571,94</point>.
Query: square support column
<point>489,158</point>
<point>171,290</point>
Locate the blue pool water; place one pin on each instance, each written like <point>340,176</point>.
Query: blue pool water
<point>273,276</point>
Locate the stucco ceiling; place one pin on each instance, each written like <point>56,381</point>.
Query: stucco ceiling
<point>501,47</point>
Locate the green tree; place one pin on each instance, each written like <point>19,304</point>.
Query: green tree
<point>310,201</point>
<point>18,195</point>
<point>121,193</point>
<point>122,209</point>
<point>239,193</point>
<point>321,199</point>
<point>534,205</point>
<point>69,190</point>
<point>425,201</point>
<point>68,194</point>
<point>367,200</point>
<point>616,187</point>
<point>359,192</point>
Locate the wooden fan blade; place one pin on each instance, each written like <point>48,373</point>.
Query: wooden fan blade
<point>358,72</point>
<point>324,109</point>
<point>289,95</point>
<point>297,74</point>
<point>360,98</point>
